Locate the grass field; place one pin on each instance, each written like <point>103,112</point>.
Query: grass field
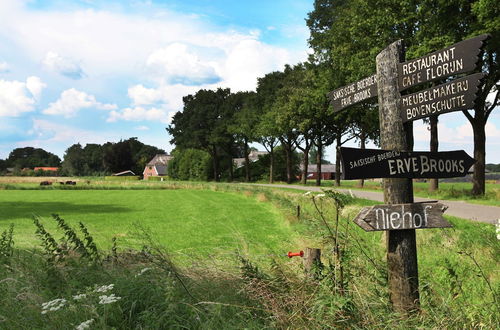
<point>184,221</point>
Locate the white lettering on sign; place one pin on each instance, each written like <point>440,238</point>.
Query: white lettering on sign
<point>424,164</point>
<point>430,101</point>
<point>386,219</point>
<point>355,92</point>
<point>441,64</point>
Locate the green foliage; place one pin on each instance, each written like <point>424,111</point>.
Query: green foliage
<point>190,164</point>
<point>6,245</point>
<point>29,157</point>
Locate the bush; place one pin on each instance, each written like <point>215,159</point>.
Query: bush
<point>190,164</point>
<point>157,178</point>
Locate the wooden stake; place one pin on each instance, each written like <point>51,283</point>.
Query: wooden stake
<point>401,244</point>
<point>312,262</point>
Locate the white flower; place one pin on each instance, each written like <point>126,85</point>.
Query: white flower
<point>79,296</point>
<point>143,271</point>
<point>320,195</point>
<point>103,300</point>
<point>104,288</point>
<point>498,229</point>
<point>307,193</point>
<point>53,305</point>
<point>84,325</point>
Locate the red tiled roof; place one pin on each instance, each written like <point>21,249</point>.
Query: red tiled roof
<point>45,168</point>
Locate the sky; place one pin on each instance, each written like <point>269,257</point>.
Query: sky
<point>93,71</point>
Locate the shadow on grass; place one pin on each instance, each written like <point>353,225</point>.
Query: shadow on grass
<point>15,210</point>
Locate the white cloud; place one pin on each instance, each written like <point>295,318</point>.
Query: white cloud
<point>72,100</point>
<point>179,64</point>
<point>62,65</point>
<point>142,128</point>
<point>4,67</point>
<point>169,96</point>
<point>35,86</point>
<point>139,114</point>
<point>17,97</point>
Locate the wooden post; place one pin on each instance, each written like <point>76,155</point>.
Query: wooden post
<point>401,244</point>
<point>312,262</point>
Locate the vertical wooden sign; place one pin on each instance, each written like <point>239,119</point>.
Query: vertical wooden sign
<point>394,135</point>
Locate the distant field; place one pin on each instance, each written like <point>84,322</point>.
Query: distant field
<point>184,221</point>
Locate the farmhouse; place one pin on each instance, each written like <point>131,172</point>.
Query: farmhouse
<point>327,171</point>
<point>253,156</point>
<point>157,166</point>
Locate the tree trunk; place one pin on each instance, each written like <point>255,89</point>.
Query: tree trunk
<point>306,165</point>
<point>247,162</point>
<point>288,153</point>
<point>319,156</point>
<point>231,170</point>
<point>271,166</point>
<point>337,162</point>
<point>434,183</point>
<point>478,177</point>
<point>215,162</point>
<point>362,140</point>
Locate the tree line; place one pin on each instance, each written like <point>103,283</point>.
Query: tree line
<point>90,160</point>
<point>290,109</point>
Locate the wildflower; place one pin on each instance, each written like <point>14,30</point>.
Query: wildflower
<point>79,296</point>
<point>307,193</point>
<point>143,271</point>
<point>320,195</point>
<point>84,325</point>
<point>498,229</point>
<point>53,305</point>
<point>103,300</point>
<point>104,288</point>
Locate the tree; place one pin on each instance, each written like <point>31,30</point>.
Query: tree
<point>189,164</point>
<point>244,123</point>
<point>29,157</point>
<point>201,125</point>
<point>74,160</point>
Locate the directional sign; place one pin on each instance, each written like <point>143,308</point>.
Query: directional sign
<point>353,93</point>
<point>458,58</point>
<point>456,95</point>
<point>402,216</point>
<point>373,163</point>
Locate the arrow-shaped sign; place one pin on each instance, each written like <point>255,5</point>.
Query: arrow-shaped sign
<point>402,216</point>
<point>458,58</point>
<point>353,93</point>
<point>374,163</point>
<point>456,95</point>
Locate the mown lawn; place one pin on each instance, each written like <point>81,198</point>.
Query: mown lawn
<point>184,221</point>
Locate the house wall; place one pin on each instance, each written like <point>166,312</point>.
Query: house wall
<point>149,171</point>
<point>324,175</point>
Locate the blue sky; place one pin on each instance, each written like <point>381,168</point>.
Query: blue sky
<point>93,71</point>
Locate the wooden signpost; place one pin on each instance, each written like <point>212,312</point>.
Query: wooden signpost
<point>353,93</point>
<point>456,95</point>
<point>402,216</point>
<point>458,58</point>
<point>397,163</point>
<point>375,163</point>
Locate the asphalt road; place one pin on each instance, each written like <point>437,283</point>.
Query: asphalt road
<point>460,209</point>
